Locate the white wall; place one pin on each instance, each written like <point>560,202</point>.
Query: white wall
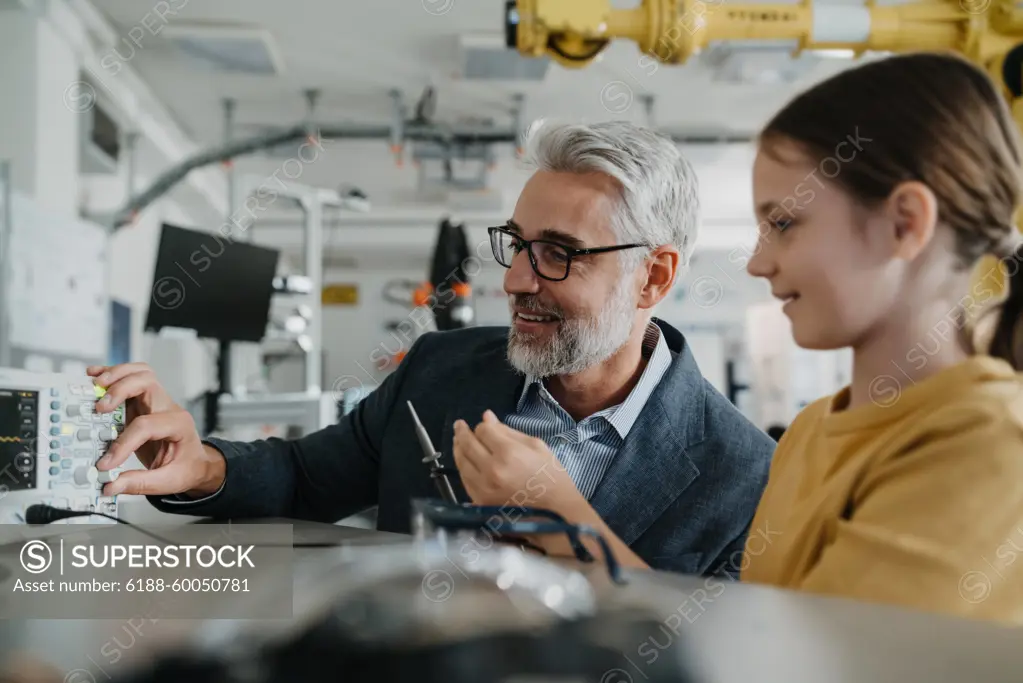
<point>17,123</point>
<point>38,132</point>
<point>56,124</point>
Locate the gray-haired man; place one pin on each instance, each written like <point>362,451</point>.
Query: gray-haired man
<point>599,236</point>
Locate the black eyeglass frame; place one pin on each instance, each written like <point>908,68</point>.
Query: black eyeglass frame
<point>572,253</point>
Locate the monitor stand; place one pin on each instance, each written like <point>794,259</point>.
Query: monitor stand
<point>212,398</point>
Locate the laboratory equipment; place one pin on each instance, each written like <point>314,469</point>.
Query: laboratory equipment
<point>50,440</point>
<point>449,283</point>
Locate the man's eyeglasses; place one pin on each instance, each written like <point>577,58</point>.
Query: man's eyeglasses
<point>550,260</point>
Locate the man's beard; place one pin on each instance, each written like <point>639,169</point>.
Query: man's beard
<point>578,343</point>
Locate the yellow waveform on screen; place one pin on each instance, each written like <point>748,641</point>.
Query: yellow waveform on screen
<point>10,439</point>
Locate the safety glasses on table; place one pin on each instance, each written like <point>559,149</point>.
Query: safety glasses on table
<point>550,260</point>
<point>430,514</point>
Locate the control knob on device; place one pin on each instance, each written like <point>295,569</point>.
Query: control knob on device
<point>86,475</point>
<point>75,410</point>
<point>90,475</point>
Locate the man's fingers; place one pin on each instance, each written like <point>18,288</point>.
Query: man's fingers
<point>96,370</point>
<point>125,388</point>
<point>501,429</point>
<point>495,435</point>
<point>473,452</point>
<point>465,467</point>
<point>174,426</point>
<point>112,374</point>
<point>159,482</point>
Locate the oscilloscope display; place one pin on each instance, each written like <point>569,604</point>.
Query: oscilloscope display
<point>19,422</point>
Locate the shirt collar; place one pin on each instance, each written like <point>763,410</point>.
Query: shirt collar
<point>624,415</point>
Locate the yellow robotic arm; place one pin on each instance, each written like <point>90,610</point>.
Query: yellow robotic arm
<point>574,32</point>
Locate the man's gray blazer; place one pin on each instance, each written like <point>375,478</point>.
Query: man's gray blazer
<point>681,492</point>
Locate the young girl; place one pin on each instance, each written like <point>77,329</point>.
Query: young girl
<point>878,191</point>
<point>882,189</point>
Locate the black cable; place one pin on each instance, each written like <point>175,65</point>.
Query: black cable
<point>41,513</point>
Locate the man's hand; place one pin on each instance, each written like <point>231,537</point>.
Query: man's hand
<point>501,466</point>
<point>160,432</point>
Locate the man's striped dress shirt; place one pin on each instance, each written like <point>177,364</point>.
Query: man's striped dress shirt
<point>586,449</point>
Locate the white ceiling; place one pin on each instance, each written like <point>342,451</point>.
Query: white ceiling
<point>354,53</point>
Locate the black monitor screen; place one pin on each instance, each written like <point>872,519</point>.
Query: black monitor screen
<point>212,284</point>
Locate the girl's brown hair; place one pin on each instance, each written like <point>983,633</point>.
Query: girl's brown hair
<point>932,118</point>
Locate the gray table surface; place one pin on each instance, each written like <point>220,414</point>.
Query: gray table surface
<point>734,632</point>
